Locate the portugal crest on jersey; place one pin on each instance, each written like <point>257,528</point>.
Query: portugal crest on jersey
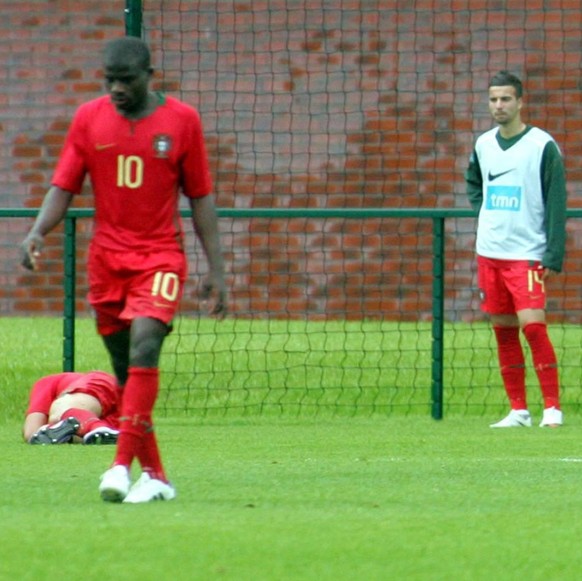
<point>162,145</point>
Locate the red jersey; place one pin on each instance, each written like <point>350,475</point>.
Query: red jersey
<point>99,384</point>
<point>137,170</point>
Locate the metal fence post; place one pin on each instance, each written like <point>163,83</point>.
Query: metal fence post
<point>133,18</point>
<point>438,293</point>
<point>69,286</point>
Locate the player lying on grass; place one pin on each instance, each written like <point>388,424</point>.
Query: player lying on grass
<point>73,407</point>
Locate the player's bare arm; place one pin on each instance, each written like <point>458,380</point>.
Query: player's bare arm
<point>52,211</point>
<point>205,223</point>
<point>32,423</point>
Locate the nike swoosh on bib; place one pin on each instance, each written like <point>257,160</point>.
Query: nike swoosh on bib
<point>494,176</point>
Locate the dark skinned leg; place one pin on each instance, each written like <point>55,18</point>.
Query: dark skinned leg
<point>145,342</point>
<point>117,345</point>
<point>139,346</point>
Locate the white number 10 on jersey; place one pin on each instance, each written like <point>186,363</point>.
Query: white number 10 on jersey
<point>129,171</point>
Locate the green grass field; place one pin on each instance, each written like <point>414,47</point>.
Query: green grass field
<point>296,368</point>
<point>293,497</point>
<point>371,499</point>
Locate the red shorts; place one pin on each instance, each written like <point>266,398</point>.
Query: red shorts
<point>126,285</point>
<point>101,386</point>
<point>509,286</point>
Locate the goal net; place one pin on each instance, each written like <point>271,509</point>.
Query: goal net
<point>349,105</point>
<point>343,106</point>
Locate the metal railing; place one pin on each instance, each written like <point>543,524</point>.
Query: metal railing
<point>436,216</point>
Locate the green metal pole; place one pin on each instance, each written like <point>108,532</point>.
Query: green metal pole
<point>69,285</point>
<point>133,18</point>
<point>438,292</point>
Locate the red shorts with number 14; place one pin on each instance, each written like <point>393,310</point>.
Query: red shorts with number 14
<point>126,285</point>
<point>508,286</point>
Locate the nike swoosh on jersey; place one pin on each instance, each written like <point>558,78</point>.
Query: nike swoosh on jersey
<point>494,176</point>
<point>101,146</point>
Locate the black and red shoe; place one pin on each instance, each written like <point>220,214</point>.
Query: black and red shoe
<point>60,433</point>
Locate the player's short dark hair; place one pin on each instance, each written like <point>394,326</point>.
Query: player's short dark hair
<point>129,47</point>
<point>504,79</point>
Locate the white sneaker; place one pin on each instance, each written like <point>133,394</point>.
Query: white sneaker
<point>147,489</point>
<point>115,484</point>
<point>515,419</point>
<point>101,435</point>
<point>552,418</point>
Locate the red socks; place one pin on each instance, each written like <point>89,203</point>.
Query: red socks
<point>512,365</point>
<point>88,420</point>
<point>137,438</point>
<point>545,362</point>
<point>511,362</point>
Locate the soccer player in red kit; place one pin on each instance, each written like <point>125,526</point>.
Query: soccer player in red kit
<point>516,181</point>
<point>141,150</point>
<point>73,407</point>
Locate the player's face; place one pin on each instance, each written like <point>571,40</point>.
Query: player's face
<point>504,105</point>
<point>127,84</point>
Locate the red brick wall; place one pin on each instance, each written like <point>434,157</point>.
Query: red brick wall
<point>361,104</point>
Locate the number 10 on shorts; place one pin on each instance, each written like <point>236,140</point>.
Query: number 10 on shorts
<point>166,285</point>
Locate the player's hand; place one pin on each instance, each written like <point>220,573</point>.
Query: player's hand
<point>548,272</point>
<point>213,296</point>
<point>31,249</point>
